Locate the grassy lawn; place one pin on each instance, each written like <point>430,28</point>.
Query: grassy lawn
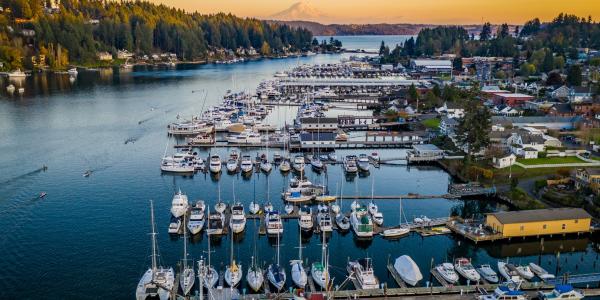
<point>523,201</point>
<point>551,160</point>
<point>432,123</point>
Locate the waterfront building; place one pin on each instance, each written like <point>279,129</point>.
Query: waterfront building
<point>539,222</point>
<point>431,65</point>
<point>424,152</point>
<point>319,124</point>
<point>314,140</point>
<point>588,177</point>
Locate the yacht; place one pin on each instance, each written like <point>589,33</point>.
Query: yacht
<point>157,281</point>
<point>446,270</point>
<point>299,163</point>
<point>285,166</point>
<point>238,218</point>
<point>305,221</point>
<point>171,166</point>
<point>362,270</point>
<point>179,204</point>
<point>525,272</point>
<point>503,292</point>
<point>174,225</point>
<point>215,223</point>
<point>276,273</point>
<point>350,164</point>
<point>196,222</point>
<point>190,128</point>
<point>187,277</point>
<point>487,273</point>
<point>274,224</point>
<point>232,162</point>
<point>540,272</point>
<point>464,267</point>
<point>246,137</point>
<point>509,272</point>
<point>324,221</point>
<point>361,222</point>
<point>408,270</point>
<point>246,165</point>
<point>363,162</point>
<point>215,163</point>
<point>562,291</point>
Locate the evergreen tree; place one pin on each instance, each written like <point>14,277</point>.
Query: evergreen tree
<point>574,77</point>
<point>486,32</point>
<point>412,93</point>
<point>472,131</point>
<point>548,64</point>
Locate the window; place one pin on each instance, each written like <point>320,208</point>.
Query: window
<point>545,226</point>
<point>564,226</point>
<point>576,221</point>
<point>522,227</point>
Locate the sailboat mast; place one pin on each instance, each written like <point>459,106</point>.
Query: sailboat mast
<point>300,244</point>
<point>278,248</point>
<point>154,267</point>
<point>184,243</point>
<point>208,235</point>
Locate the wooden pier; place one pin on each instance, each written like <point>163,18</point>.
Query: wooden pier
<point>396,276</point>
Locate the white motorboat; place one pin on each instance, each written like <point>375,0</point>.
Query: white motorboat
<point>266,166</point>
<point>316,164</point>
<point>299,163</point>
<point>378,218</point>
<point>171,166</point>
<point>190,128</point>
<point>215,164</point>
<point>216,221</point>
<point>187,277</point>
<point>274,224</point>
<point>246,137</point>
<point>324,221</point>
<point>375,157</point>
<point>237,221</point>
<point>276,273</point>
<point>232,166</point>
<point>201,139</point>
<point>446,270</point>
<point>503,292</point>
<point>72,71</point>
<point>342,221</point>
<point>361,222</point>
<point>525,272</point>
<point>157,281</point>
<point>509,272</point>
<point>179,204</point>
<point>562,291</point>
<point>196,222</point>
<point>289,209</point>
<point>174,225</point>
<point>17,74</point>
<point>363,163</point>
<point>285,166</point>
<point>268,207</point>
<point>408,270</point>
<point>373,208</point>
<point>487,273</point>
<point>332,156</point>
<point>254,208</point>
<point>298,195</point>
<point>540,272</point>
<point>464,267</point>
<point>10,88</point>
<point>246,165</point>
<point>362,270</point>
<point>335,208</point>
<point>305,221</point>
<point>350,165</point>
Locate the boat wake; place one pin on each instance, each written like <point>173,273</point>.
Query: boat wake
<point>22,176</point>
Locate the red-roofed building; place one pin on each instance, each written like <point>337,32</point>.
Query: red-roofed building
<point>511,99</point>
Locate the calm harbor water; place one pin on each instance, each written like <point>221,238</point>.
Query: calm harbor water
<point>88,238</point>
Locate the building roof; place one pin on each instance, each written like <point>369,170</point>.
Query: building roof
<point>426,147</point>
<point>432,63</point>
<point>449,121</point>
<point>513,95</point>
<point>562,108</point>
<point>314,136</point>
<point>528,139</point>
<point>533,119</point>
<point>592,171</point>
<point>318,120</point>
<point>540,215</point>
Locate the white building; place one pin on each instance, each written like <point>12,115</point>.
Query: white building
<point>452,110</point>
<point>431,65</point>
<point>314,140</point>
<point>504,161</point>
<point>318,124</point>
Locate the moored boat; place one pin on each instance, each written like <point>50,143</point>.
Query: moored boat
<point>408,270</point>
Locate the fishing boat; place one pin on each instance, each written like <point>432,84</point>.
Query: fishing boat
<point>362,270</point>
<point>540,272</point>
<point>487,273</point>
<point>324,221</point>
<point>562,291</point>
<point>215,164</point>
<point>276,273</point>
<point>211,276</point>
<point>247,165</point>
<point>320,270</point>
<point>350,164</point>
<point>216,221</point>
<point>187,277</point>
<point>299,163</point>
<point>274,224</point>
<point>525,272</point>
<point>446,270</point>
<point>179,204</point>
<point>397,232</point>
<point>503,292</point>
<point>299,276</point>
<point>157,281</point>
<point>196,222</point>
<point>464,267</point>
<point>361,222</point>
<point>233,271</point>
<point>408,270</point>
<point>305,220</point>
<point>363,163</point>
<point>254,208</point>
<point>174,225</point>
<point>509,272</point>
<point>237,222</point>
<point>233,161</point>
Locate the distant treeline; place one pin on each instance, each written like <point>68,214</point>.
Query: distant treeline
<point>81,28</point>
<point>561,36</point>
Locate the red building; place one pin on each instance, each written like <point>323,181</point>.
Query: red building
<point>511,99</point>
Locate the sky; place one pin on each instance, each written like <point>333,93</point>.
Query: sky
<point>403,11</point>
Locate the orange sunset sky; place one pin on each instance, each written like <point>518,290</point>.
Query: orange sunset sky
<point>402,11</point>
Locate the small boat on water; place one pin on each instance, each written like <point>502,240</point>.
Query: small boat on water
<point>350,165</point>
<point>87,173</point>
<point>363,163</point>
<point>540,272</point>
<point>220,207</point>
<point>174,225</point>
<point>525,272</point>
<point>247,165</point>
<point>201,139</point>
<point>362,270</point>
<point>215,164</point>
<point>274,224</point>
<point>190,128</point>
<point>72,71</point>
<point>487,273</point>
<point>196,221</point>
<point>237,221</point>
<point>342,221</point>
<point>361,223</point>
<point>316,164</point>
<point>299,276</point>
<point>285,166</point>
<point>464,267</point>
<point>306,220</point>
<point>42,195</point>
<point>509,272</point>
<point>562,291</point>
<point>324,221</point>
<point>375,157</point>
<point>332,157</point>
<point>17,74</point>
<point>299,163</point>
<point>255,277</point>
<point>187,277</point>
<point>373,208</point>
<point>265,166</point>
<point>254,208</point>
<point>378,218</point>
<point>289,209</point>
<point>446,270</point>
<point>276,273</point>
<point>319,271</point>
<point>216,221</point>
<point>233,161</point>
<point>179,204</point>
<point>504,292</point>
<point>10,88</point>
<point>408,270</point>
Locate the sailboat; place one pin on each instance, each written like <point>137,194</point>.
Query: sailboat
<point>265,165</point>
<point>320,270</point>
<point>255,277</point>
<point>212,276</point>
<point>187,277</point>
<point>298,273</point>
<point>342,221</point>
<point>276,273</point>
<point>156,281</point>
<point>398,231</point>
<point>233,272</point>
<point>220,206</point>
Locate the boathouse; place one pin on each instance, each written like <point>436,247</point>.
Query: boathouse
<point>314,140</point>
<point>539,222</point>
<point>319,124</point>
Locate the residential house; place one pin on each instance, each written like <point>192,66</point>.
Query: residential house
<point>588,177</point>
<point>511,99</point>
<point>525,144</point>
<point>448,126</point>
<point>561,110</point>
<point>579,94</point>
<point>504,160</point>
<point>124,54</point>
<point>560,92</point>
<point>451,110</point>
<point>105,56</point>
<point>549,122</point>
